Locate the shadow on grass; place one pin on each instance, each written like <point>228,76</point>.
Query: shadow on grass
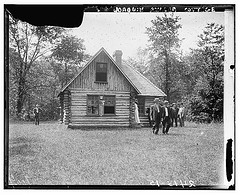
<point>21,146</point>
<point>169,134</point>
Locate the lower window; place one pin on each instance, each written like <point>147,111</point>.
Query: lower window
<point>109,104</point>
<point>92,105</point>
<point>99,105</point>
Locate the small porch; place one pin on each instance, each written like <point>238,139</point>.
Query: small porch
<point>145,102</point>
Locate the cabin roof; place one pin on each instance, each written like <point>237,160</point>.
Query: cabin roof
<point>140,83</point>
<point>145,86</point>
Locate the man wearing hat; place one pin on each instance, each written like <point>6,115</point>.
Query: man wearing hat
<point>36,112</point>
<point>174,114</point>
<point>167,116</point>
<point>157,115</point>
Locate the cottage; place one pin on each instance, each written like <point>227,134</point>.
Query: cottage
<point>103,93</point>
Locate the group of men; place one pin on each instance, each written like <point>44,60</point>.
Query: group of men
<point>162,114</point>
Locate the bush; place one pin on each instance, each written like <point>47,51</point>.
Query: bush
<point>199,111</point>
<point>201,118</point>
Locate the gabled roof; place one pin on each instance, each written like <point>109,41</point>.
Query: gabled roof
<point>145,86</point>
<point>140,83</point>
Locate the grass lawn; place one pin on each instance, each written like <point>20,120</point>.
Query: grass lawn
<point>51,154</point>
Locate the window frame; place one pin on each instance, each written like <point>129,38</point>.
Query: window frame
<point>114,96</point>
<point>87,105</point>
<point>97,64</point>
<point>98,98</point>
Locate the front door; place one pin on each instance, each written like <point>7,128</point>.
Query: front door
<point>141,105</point>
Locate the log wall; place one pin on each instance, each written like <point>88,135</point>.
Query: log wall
<point>67,106</point>
<point>79,115</point>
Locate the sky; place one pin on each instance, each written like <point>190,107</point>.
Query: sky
<point>126,31</point>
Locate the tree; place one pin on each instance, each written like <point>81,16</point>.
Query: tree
<point>163,36</point>
<point>140,62</point>
<point>69,55</point>
<point>29,43</point>
<point>207,63</point>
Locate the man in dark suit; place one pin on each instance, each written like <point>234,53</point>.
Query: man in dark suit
<point>174,114</point>
<point>36,112</point>
<point>148,112</point>
<point>157,115</point>
<point>167,116</point>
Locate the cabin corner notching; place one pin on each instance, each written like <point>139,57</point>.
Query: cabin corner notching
<point>102,94</point>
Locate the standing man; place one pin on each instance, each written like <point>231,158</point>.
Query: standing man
<point>174,114</point>
<point>167,115</point>
<point>36,112</point>
<point>149,112</point>
<point>181,115</point>
<point>157,115</point>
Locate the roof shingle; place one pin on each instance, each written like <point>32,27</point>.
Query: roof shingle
<point>145,86</point>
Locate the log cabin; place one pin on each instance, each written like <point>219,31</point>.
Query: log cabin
<point>103,93</point>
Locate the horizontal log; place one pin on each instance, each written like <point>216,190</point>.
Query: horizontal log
<point>123,97</point>
<point>99,122</point>
<point>84,109</point>
<point>79,99</point>
<point>73,104</point>
<point>122,112</point>
<point>81,109</point>
<point>99,125</point>
<point>100,117</point>
<point>84,98</point>
<point>123,103</point>
<point>107,94</point>
<point>78,103</point>
<point>81,90</point>
<point>119,107</point>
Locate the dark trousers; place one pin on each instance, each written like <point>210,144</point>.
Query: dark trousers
<point>174,120</point>
<point>157,123</point>
<point>149,120</point>
<point>36,119</point>
<point>166,124</point>
<point>181,120</point>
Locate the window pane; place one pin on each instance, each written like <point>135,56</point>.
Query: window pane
<point>92,107</point>
<point>109,105</point>
<point>101,72</point>
<point>109,109</point>
<point>101,76</point>
<point>109,100</point>
<point>101,67</point>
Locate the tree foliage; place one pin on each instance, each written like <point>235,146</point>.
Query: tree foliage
<point>68,56</point>
<point>37,57</point>
<point>195,78</point>
<point>164,40</point>
<point>207,62</point>
<point>28,43</point>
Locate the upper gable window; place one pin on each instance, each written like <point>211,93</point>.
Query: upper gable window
<point>101,72</point>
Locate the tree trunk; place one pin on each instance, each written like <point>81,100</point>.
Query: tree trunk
<point>20,98</point>
<point>167,76</point>
<point>66,73</point>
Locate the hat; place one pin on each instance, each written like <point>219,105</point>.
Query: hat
<point>166,102</point>
<point>156,100</point>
